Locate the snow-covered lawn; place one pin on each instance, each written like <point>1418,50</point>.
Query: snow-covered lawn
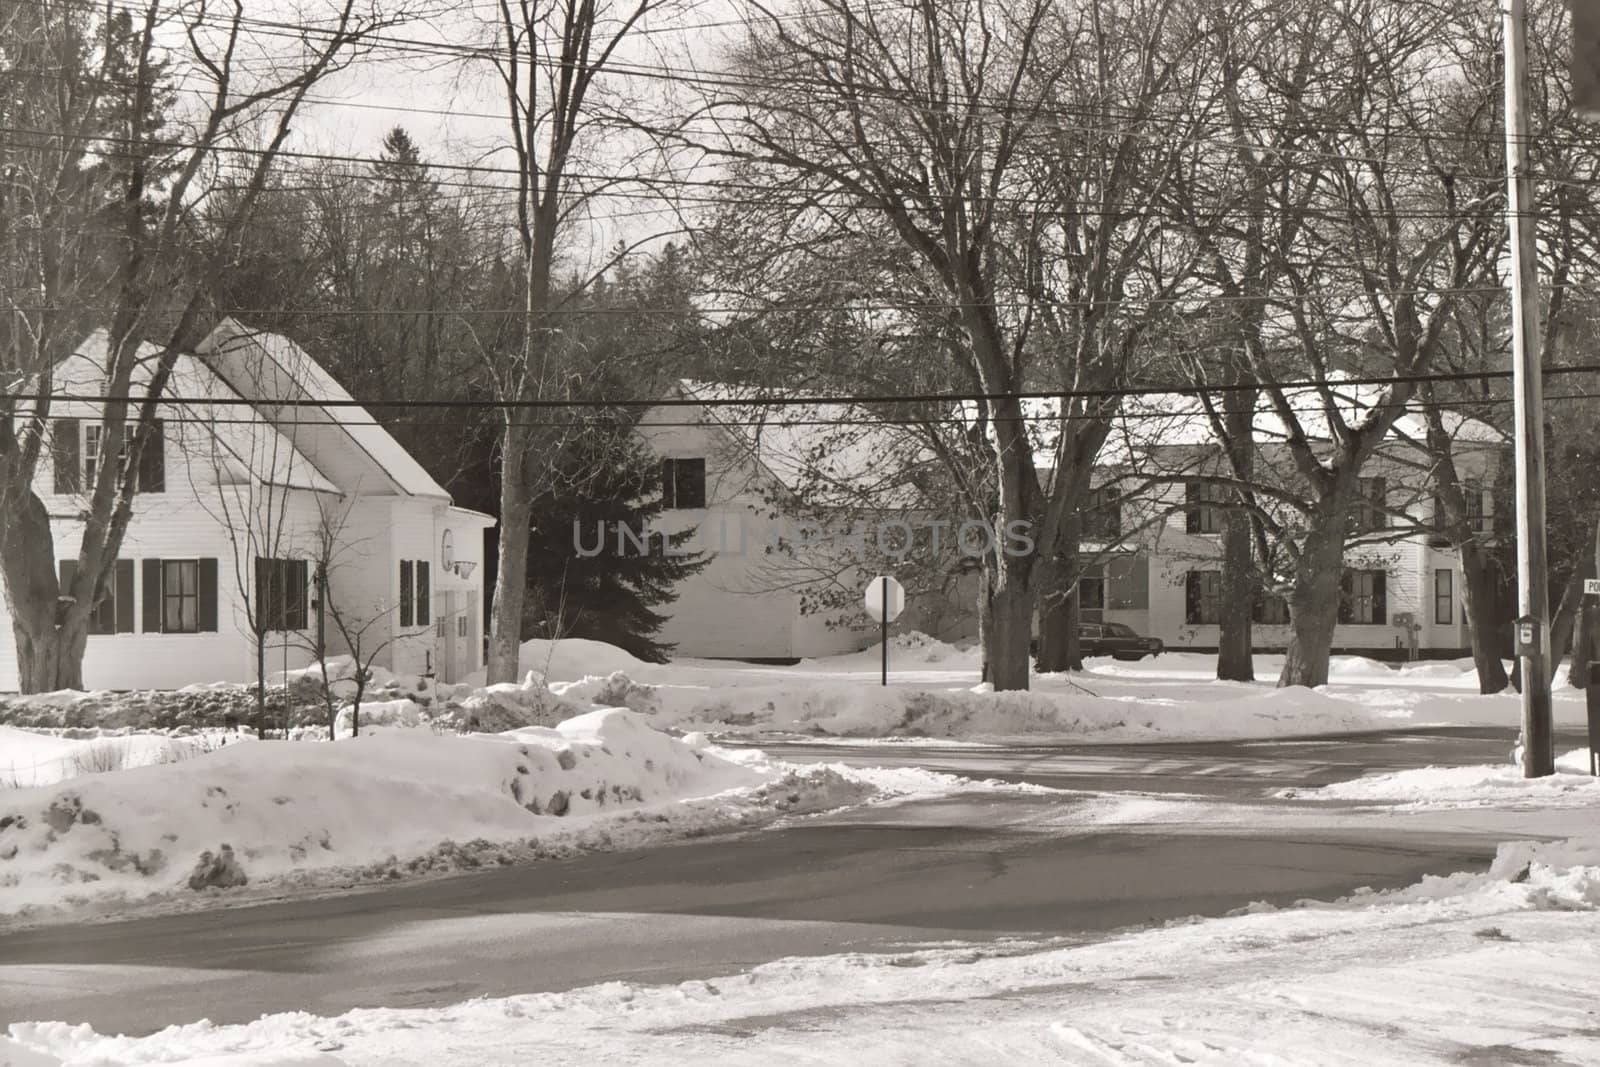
<point>1494,968</point>
<point>393,803</point>
<point>934,691</point>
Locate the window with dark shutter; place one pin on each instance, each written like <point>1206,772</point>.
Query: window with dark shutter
<point>65,450</point>
<point>281,603</point>
<point>1363,599</point>
<point>407,612</point>
<point>424,593</point>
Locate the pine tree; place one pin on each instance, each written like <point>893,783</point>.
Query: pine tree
<point>588,578</point>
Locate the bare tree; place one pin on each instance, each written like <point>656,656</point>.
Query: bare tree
<point>117,252</point>
<point>1003,151</point>
<point>1376,232</point>
<point>365,630</point>
<point>551,58</point>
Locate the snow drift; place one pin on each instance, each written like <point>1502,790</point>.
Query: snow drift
<point>285,807</point>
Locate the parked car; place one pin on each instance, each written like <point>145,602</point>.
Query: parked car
<point>1117,641</point>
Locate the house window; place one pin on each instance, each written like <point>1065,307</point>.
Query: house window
<point>1372,505</point>
<point>1091,598</point>
<point>114,612</point>
<point>1202,510</point>
<point>91,450</point>
<point>180,596</point>
<point>1444,595</point>
<point>683,483</point>
<point>1102,515</point>
<point>1271,609</point>
<point>281,602</point>
<point>1203,598</point>
<point>1362,598</point>
<point>1478,517</point>
<point>414,592</point>
<point>76,446</point>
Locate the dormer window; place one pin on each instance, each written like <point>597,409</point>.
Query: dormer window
<point>683,483</point>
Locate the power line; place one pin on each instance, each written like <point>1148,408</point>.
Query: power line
<point>759,400</point>
<point>896,421</point>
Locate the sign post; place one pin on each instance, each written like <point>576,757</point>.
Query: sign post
<point>1590,613</point>
<point>885,600</point>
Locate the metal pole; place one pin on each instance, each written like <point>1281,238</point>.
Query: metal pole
<point>883,605</point>
<point>1533,598</point>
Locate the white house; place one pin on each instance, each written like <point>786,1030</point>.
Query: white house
<point>724,468</point>
<point>263,459</point>
<point>730,474</point>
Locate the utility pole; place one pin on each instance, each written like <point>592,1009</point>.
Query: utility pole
<point>1533,598</point>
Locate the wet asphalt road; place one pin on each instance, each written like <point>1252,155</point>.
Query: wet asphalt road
<point>967,867</point>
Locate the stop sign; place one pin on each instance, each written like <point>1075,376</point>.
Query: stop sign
<point>885,599</point>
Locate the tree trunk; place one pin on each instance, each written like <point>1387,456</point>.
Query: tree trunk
<point>1240,583</point>
<point>1478,605</point>
<point>1561,624</point>
<point>1236,638</point>
<point>261,686</point>
<point>1314,605</point>
<point>1010,631</point>
<point>1059,614</point>
<point>49,657</point>
<point>1054,621</point>
<point>516,515</point>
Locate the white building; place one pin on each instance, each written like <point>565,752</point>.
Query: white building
<point>265,459</point>
<point>731,473</point>
<point>1160,566</point>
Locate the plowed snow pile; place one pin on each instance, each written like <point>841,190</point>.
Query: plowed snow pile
<point>393,798</point>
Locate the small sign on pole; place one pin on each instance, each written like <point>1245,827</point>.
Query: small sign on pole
<point>885,600</point>
<point>1591,586</point>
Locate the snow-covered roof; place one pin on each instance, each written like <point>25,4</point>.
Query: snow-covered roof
<point>236,443</point>
<point>1156,421</point>
<point>265,367</point>
<point>830,454</point>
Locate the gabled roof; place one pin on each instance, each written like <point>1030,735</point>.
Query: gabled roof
<point>832,455</point>
<point>234,441</point>
<point>355,450</point>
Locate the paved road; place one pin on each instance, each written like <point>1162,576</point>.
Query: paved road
<point>966,867</point>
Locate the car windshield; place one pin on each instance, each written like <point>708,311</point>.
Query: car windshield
<point>1119,630</point>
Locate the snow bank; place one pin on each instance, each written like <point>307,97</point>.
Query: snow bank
<point>570,659</point>
<point>381,799</point>
<point>34,758</point>
<point>1473,786</point>
<point>864,711</point>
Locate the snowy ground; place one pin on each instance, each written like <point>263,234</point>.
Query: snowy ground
<point>1477,969</point>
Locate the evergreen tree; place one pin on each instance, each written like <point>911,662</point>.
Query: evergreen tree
<point>593,569</point>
